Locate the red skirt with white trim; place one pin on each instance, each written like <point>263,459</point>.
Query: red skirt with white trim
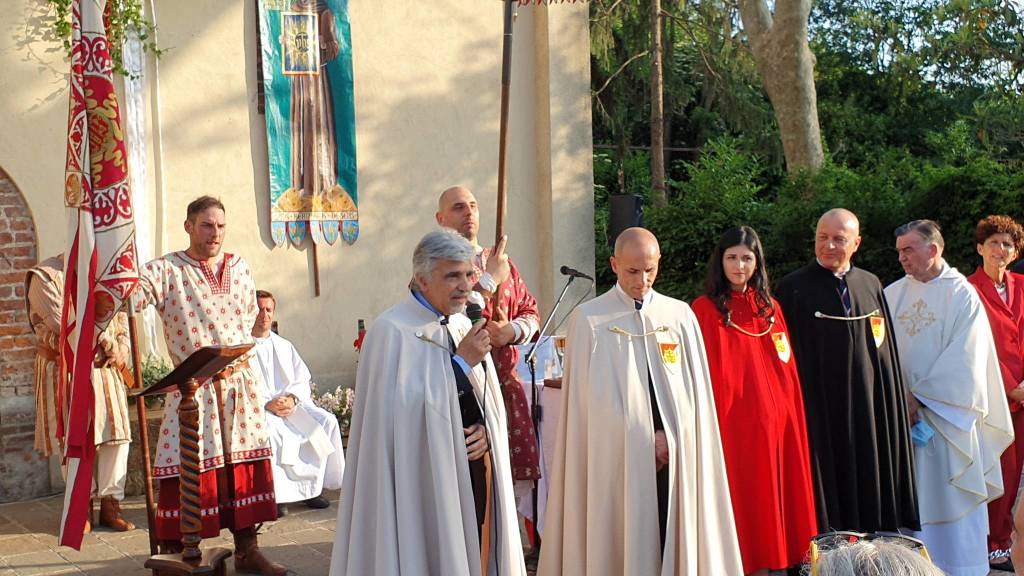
<point>250,502</point>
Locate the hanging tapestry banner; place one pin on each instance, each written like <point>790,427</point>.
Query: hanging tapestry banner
<point>306,51</point>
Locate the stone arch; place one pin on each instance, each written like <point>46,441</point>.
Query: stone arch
<point>23,472</point>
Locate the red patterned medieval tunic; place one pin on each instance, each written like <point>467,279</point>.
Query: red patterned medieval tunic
<point>199,309</point>
<point>521,309</point>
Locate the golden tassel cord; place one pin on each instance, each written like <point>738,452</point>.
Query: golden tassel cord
<point>876,313</point>
<point>771,324</point>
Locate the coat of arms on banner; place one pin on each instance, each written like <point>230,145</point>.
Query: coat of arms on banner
<point>306,51</point>
<point>878,330</point>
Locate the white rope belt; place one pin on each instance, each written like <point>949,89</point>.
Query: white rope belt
<point>621,332</point>
<point>876,313</point>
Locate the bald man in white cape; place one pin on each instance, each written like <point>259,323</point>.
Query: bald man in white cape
<point>407,505</point>
<point>603,502</point>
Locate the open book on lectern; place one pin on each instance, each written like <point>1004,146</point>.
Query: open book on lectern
<point>201,365</point>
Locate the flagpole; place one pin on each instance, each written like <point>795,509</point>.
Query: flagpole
<point>140,406</point>
<point>506,81</point>
<point>499,230</point>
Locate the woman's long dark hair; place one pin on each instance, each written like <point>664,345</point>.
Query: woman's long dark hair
<point>718,288</point>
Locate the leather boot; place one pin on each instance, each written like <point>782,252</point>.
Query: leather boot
<point>110,515</point>
<point>249,559</point>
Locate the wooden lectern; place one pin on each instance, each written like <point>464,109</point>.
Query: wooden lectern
<point>202,365</point>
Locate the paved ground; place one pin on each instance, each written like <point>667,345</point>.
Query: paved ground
<point>302,540</point>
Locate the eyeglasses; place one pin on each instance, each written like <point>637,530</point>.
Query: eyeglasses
<point>831,540</point>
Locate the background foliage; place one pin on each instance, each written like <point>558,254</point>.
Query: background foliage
<point>921,114</point>
<point>122,17</point>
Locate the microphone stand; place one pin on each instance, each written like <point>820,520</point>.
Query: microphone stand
<point>535,411</point>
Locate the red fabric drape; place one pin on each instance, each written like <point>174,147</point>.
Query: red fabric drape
<point>249,501</point>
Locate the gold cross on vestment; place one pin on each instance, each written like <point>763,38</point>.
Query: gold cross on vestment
<point>918,320</point>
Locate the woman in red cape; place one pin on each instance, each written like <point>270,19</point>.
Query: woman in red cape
<point>999,241</point>
<point>760,406</point>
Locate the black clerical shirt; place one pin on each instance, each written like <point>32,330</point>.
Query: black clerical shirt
<point>656,414</point>
<point>661,476</point>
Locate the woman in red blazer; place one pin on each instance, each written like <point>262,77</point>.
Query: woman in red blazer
<point>999,242</point>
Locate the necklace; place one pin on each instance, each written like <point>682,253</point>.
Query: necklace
<point>620,331</point>
<point>771,323</point>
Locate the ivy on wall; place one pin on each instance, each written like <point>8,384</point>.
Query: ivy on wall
<point>123,16</point>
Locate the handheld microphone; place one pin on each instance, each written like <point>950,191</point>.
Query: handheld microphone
<point>474,312</point>
<point>574,273</point>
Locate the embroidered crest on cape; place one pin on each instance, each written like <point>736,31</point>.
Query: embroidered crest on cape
<point>669,352</point>
<point>782,346</point>
<point>878,330</point>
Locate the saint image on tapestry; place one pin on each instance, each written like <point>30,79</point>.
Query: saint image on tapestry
<point>309,42</point>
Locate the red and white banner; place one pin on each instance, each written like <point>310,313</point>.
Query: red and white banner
<point>100,263</point>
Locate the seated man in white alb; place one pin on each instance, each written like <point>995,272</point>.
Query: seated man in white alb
<point>305,438</point>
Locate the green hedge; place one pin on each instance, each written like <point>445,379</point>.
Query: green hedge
<point>726,188</point>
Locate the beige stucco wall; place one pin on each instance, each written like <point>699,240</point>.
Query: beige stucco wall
<point>427,97</point>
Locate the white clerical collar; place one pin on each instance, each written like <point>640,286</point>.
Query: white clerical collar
<point>628,298</point>
<point>841,273</point>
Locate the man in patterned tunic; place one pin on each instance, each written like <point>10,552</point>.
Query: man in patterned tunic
<point>44,296</point>
<point>208,298</point>
<point>515,322</point>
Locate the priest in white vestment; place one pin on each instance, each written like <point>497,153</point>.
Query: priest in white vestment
<point>305,439</point>
<point>638,484</point>
<point>949,362</point>
<point>411,504</point>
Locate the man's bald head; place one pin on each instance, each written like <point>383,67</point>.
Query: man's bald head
<point>635,262</point>
<point>836,239</point>
<point>457,209</point>
<point>637,239</point>
<point>451,194</point>
<point>843,217</point>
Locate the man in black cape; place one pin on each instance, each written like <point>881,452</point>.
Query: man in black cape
<point>854,397</point>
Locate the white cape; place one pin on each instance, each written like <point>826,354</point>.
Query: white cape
<point>407,503</point>
<point>308,456</point>
<point>602,514</point>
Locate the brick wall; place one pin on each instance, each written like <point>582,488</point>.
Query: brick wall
<point>23,473</point>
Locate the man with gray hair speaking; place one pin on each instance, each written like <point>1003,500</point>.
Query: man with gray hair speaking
<point>428,418</point>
